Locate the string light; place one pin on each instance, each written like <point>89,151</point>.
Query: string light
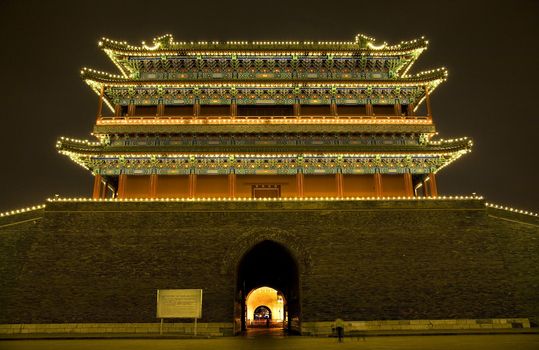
<point>289,161</point>
<point>407,52</point>
<point>89,71</point>
<point>23,210</point>
<point>166,43</point>
<point>163,48</point>
<point>276,199</point>
<point>443,141</point>
<point>431,79</point>
<point>82,142</point>
<point>269,155</point>
<point>513,210</point>
<point>269,199</point>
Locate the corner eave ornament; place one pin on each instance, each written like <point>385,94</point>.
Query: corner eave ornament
<point>366,42</point>
<point>163,42</point>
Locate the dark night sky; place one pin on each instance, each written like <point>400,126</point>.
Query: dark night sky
<point>489,47</point>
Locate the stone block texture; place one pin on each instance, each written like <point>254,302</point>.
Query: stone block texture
<point>101,262</point>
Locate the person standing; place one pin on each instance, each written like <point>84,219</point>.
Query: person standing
<point>339,328</point>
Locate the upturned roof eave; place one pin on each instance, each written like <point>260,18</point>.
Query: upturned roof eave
<point>96,80</point>
<point>362,46</point>
<point>86,150</point>
<point>422,78</point>
<point>125,49</point>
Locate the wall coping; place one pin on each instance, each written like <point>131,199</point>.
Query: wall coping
<point>278,204</point>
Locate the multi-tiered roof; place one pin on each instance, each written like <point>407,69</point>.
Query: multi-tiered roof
<point>264,108</point>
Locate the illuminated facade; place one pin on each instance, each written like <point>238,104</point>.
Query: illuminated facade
<point>293,183</point>
<point>263,119</point>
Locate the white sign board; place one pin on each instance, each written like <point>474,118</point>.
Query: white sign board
<point>179,303</point>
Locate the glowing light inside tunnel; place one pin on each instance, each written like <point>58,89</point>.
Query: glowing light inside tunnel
<point>268,297</point>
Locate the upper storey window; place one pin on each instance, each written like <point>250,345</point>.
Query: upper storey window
<point>214,110</point>
<point>319,110</point>
<point>383,110</point>
<point>352,110</point>
<point>261,110</point>
<point>150,110</point>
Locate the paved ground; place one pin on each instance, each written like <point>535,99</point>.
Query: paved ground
<point>451,342</point>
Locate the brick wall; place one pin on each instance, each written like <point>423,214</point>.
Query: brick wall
<point>359,260</point>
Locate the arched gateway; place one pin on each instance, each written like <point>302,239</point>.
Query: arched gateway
<point>270,264</point>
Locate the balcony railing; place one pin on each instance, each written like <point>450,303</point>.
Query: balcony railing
<point>201,120</point>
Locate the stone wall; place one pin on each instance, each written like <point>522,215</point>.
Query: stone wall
<point>358,328</point>
<point>129,329</point>
<point>97,262</point>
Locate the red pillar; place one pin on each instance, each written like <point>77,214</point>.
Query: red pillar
<point>339,181</point>
<point>297,109</point>
<point>153,185</point>
<point>192,185</point>
<point>299,184</point>
<point>131,110</point>
<point>408,186</point>
<point>397,109</point>
<point>233,109</point>
<point>333,108</point>
<point>368,108</point>
<point>121,185</point>
<point>378,184</point>
<point>410,109</point>
<point>97,187</point>
<point>232,185</point>
<point>433,188</point>
<point>160,109</point>
<point>196,108</point>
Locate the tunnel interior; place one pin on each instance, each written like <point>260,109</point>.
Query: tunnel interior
<point>271,264</point>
